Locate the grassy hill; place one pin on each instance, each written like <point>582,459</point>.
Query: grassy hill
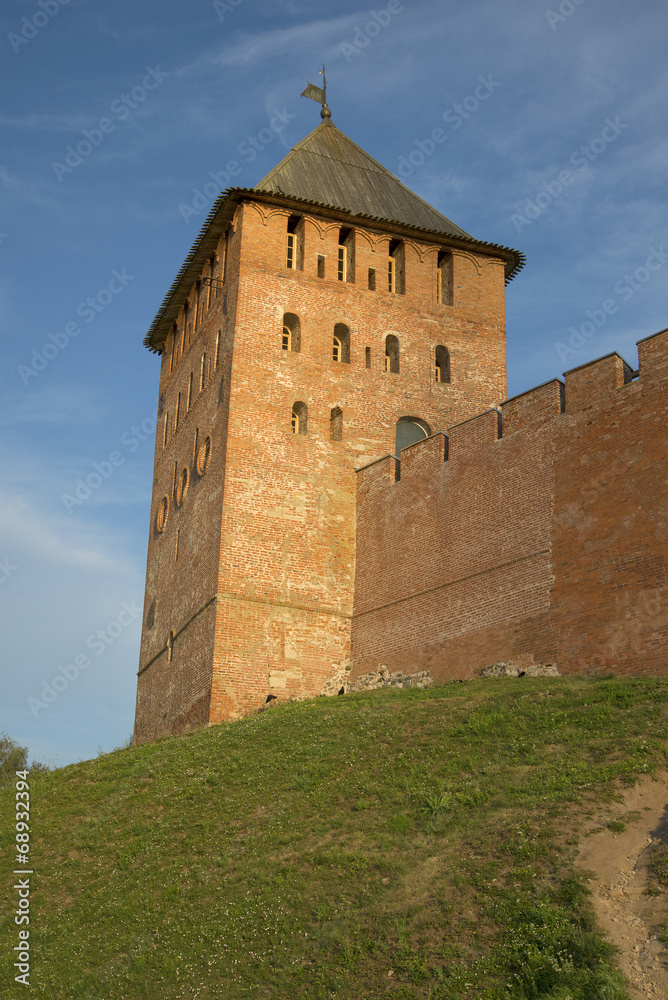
<point>404,844</point>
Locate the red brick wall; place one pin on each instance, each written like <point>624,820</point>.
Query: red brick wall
<point>288,525</point>
<point>174,696</point>
<point>267,536</point>
<point>547,543</point>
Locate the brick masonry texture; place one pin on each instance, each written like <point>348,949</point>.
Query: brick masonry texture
<point>529,531</point>
<point>258,596</point>
<point>541,539</point>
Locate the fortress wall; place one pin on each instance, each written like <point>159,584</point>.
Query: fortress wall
<point>541,537</point>
<point>610,521</point>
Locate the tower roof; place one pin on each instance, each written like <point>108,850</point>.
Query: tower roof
<point>330,173</point>
<point>329,168</point>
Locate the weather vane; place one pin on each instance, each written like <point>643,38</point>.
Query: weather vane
<point>319,94</point>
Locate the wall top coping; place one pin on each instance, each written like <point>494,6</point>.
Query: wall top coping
<point>657,334</point>
<point>533,389</point>
<point>595,361</point>
<point>491,409</point>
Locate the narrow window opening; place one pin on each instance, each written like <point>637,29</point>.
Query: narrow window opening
<point>170,647</point>
<point>226,247</point>
<point>336,424</point>
<point>321,266</point>
<point>395,267</point>
<point>444,279</point>
<point>291,338</point>
<point>176,544</point>
<point>199,304</point>
<point>391,353</point>
<point>210,284</point>
<point>174,475</point>
<point>216,358</point>
<point>341,343</point>
<point>187,323</point>
<point>372,279</point>
<point>346,255</point>
<point>165,431</point>
<point>367,357</point>
<point>190,392</point>
<point>177,415</point>
<point>442,364</point>
<point>173,348</point>
<point>150,615</point>
<point>195,445</point>
<point>294,243</point>
<point>202,373</point>
<point>299,418</point>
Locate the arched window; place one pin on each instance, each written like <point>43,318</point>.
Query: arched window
<point>442,364</point>
<point>292,340</point>
<point>336,424</point>
<point>299,418</point>
<point>341,343</point>
<point>391,353</point>
<point>409,430</point>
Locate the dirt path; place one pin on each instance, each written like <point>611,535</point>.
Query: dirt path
<point>618,862</point>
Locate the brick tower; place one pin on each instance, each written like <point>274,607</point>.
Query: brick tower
<point>322,319</point>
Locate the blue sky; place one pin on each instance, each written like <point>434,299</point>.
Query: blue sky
<point>114,115</point>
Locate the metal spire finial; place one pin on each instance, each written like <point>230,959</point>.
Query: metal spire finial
<point>319,94</point>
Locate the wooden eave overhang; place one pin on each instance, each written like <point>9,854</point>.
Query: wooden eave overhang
<point>222,213</point>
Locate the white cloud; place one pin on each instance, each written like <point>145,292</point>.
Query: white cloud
<point>53,539</point>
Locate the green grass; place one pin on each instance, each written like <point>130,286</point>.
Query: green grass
<point>404,844</point>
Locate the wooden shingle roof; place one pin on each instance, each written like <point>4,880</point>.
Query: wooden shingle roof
<point>329,168</point>
<point>328,172</point>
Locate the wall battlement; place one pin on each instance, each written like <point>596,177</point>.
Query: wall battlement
<point>535,533</point>
<point>588,386</point>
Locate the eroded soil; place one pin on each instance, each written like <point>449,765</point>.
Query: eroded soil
<point>617,862</point>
